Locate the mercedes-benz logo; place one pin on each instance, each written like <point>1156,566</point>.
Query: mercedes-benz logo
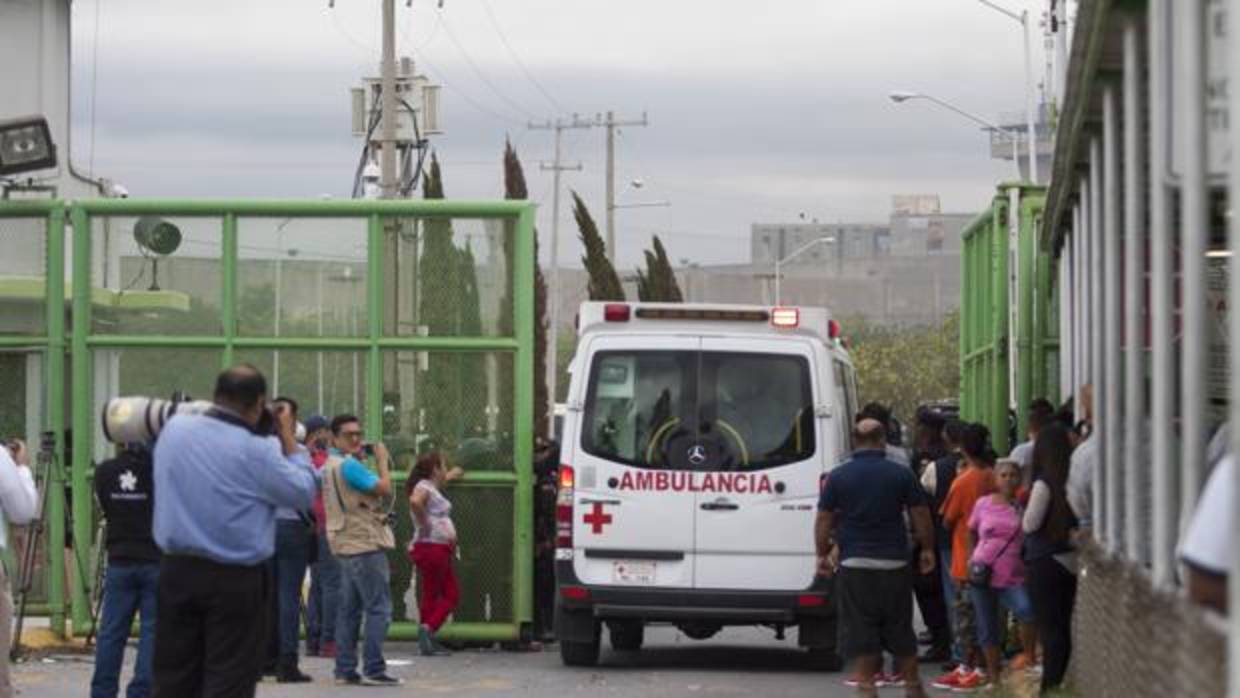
<point>697,454</point>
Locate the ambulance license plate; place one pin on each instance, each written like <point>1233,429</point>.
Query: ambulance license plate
<point>633,571</point>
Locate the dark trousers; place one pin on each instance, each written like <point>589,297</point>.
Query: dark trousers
<point>1053,592</point>
<point>129,589</point>
<point>288,571</point>
<point>208,628</point>
<point>928,588</point>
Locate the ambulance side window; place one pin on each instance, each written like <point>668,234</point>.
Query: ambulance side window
<point>846,389</point>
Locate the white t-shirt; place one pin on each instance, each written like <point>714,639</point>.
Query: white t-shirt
<point>18,499</point>
<point>1080,488</point>
<point>1208,542</point>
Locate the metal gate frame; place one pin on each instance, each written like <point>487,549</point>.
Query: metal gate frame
<point>1009,327</point>
<point>77,342</point>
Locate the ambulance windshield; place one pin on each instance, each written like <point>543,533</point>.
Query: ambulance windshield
<point>703,411</point>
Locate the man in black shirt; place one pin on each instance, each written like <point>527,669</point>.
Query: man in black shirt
<point>125,488</point>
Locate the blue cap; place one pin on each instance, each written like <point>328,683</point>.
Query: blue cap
<point>316,422</point>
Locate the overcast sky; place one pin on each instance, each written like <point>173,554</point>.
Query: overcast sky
<point>758,111</point>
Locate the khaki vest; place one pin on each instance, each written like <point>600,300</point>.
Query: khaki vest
<point>356,521</point>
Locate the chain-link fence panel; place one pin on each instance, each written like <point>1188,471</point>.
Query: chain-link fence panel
<point>483,515</point>
<point>23,268</point>
<point>1132,641</point>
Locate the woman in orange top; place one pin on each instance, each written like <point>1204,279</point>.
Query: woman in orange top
<point>974,482</point>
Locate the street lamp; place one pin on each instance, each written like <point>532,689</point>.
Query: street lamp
<point>779,263</point>
<point>1023,19</point>
<point>901,96</point>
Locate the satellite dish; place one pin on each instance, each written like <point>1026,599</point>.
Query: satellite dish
<point>157,235</point>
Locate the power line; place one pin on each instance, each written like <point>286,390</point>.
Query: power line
<point>481,75</point>
<point>517,59</point>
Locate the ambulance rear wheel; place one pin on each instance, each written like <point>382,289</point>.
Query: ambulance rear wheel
<point>579,653</point>
<point>626,636</point>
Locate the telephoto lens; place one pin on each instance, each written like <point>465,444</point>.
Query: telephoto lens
<point>129,420</point>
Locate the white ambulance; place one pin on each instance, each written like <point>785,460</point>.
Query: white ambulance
<point>694,440</point>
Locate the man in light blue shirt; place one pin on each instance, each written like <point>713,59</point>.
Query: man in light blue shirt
<point>220,480</point>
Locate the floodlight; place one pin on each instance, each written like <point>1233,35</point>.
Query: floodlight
<point>157,235</point>
<point>26,145</point>
<point>902,96</point>
<point>156,238</point>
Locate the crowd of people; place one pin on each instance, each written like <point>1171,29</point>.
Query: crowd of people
<point>984,544</point>
<point>212,529</point>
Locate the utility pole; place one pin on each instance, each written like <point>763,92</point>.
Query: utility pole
<point>556,167</point>
<point>610,124</point>
<point>387,75</point>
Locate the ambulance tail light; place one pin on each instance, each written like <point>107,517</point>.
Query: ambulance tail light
<point>564,509</point>
<point>575,593</point>
<point>787,318</point>
<point>811,600</point>
<point>616,312</point>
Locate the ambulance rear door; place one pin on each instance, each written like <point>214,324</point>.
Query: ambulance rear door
<point>755,510</point>
<point>631,527</point>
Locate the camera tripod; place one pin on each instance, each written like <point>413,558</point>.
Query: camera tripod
<point>34,534</point>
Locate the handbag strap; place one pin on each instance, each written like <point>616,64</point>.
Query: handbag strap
<point>1009,540</point>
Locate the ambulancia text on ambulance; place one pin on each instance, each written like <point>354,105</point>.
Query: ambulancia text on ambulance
<point>694,440</point>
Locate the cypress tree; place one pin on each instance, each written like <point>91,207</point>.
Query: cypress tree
<point>604,284</point>
<point>669,289</point>
<point>471,366</point>
<point>515,188</point>
<point>440,301</point>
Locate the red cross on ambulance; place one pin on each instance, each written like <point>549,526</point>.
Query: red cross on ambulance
<point>597,518</point>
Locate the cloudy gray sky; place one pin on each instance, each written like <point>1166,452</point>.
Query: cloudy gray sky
<point>758,111</point>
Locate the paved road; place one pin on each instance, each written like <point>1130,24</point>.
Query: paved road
<point>737,662</point>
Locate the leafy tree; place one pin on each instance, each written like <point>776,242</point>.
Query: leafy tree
<point>906,367</point>
<point>604,284</point>
<point>515,188</point>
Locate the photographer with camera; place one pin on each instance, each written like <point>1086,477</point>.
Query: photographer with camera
<point>221,478</point>
<point>18,505</point>
<point>359,533</point>
<point>125,489</point>
<point>294,536</point>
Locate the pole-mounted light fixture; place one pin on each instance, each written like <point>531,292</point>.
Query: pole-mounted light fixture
<point>26,145</point>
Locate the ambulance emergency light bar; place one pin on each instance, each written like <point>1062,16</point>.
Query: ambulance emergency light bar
<point>814,320</point>
<point>26,145</point>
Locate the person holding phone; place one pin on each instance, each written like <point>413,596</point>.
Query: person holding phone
<point>359,535</point>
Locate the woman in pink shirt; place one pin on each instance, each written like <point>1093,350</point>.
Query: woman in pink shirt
<point>995,537</point>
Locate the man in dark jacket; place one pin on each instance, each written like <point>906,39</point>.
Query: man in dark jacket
<point>125,488</point>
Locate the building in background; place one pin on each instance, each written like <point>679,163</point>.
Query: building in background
<point>903,272</point>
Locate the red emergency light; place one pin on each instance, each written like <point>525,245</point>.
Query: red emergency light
<point>833,329</point>
<point>616,312</point>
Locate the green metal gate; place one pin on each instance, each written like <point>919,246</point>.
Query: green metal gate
<point>1008,346</point>
<point>416,315</point>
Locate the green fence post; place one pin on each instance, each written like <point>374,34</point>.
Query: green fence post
<point>1026,309</point>
<point>999,329</point>
<point>374,327</point>
<point>523,437</point>
<point>83,430</point>
<point>54,288</point>
<point>228,294</point>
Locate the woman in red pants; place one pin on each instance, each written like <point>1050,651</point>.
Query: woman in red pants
<point>432,547</point>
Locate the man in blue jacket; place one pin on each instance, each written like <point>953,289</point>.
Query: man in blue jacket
<point>220,478</point>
